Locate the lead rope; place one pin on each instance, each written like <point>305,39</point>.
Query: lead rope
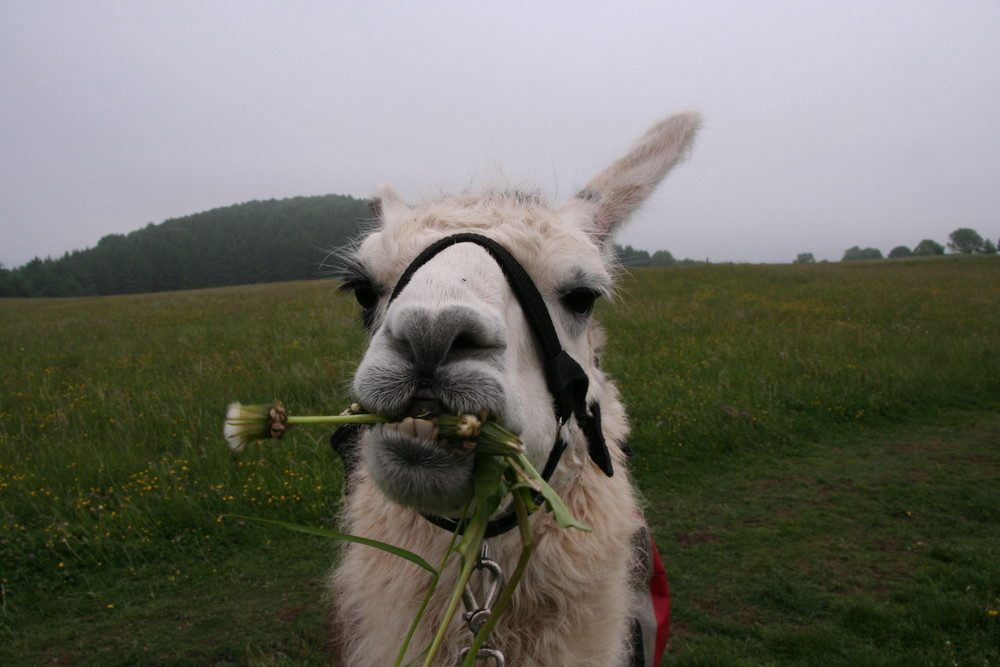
<point>477,614</point>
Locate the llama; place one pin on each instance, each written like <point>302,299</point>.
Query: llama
<point>453,338</point>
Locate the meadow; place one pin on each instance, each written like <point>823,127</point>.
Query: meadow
<point>818,447</point>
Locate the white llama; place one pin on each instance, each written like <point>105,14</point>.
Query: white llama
<point>454,337</point>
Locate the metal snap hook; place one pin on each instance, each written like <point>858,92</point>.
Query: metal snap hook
<point>477,614</point>
<point>485,653</point>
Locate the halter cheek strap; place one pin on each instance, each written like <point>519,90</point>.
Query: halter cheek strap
<point>566,380</point>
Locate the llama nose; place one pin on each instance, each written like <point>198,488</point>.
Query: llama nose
<point>433,337</point>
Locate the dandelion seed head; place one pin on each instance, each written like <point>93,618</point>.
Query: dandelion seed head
<point>245,423</point>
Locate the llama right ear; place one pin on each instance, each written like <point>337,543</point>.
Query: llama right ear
<point>386,205</point>
<point>614,194</point>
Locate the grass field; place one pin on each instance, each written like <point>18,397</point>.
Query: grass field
<point>818,447</point>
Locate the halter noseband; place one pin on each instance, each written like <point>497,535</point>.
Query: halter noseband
<point>566,380</point>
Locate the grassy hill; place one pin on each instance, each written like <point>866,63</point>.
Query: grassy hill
<point>243,244</point>
<point>818,446</point>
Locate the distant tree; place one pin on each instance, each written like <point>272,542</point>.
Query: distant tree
<point>662,258</point>
<point>804,258</point>
<point>629,256</point>
<point>965,241</point>
<point>988,247</point>
<point>928,247</point>
<point>900,251</point>
<point>19,285</point>
<point>857,253</point>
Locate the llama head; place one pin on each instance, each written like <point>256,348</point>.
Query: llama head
<point>455,338</point>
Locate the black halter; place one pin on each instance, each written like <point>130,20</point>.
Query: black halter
<point>566,380</point>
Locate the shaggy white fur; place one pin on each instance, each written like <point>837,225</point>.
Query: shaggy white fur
<point>455,335</point>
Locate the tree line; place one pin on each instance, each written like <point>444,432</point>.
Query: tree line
<point>253,242</point>
<point>963,240</point>
<point>630,257</point>
<point>279,240</point>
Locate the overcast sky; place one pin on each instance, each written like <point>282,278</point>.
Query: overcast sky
<point>828,124</point>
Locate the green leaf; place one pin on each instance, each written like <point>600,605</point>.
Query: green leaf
<point>325,532</point>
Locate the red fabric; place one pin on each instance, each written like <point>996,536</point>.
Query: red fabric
<point>659,592</point>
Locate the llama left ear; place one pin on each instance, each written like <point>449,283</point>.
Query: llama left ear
<point>615,193</point>
<point>387,205</point>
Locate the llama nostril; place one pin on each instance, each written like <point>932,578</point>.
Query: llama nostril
<point>465,341</point>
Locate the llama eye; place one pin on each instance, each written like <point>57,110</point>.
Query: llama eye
<point>364,290</point>
<point>366,295</point>
<point>581,300</point>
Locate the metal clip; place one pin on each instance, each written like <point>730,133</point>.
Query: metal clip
<point>485,653</point>
<point>477,614</point>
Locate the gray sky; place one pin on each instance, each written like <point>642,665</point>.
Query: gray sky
<point>828,123</point>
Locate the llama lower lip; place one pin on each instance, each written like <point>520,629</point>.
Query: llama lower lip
<point>416,472</point>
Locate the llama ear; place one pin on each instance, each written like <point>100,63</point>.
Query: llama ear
<point>611,196</point>
<point>386,205</point>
